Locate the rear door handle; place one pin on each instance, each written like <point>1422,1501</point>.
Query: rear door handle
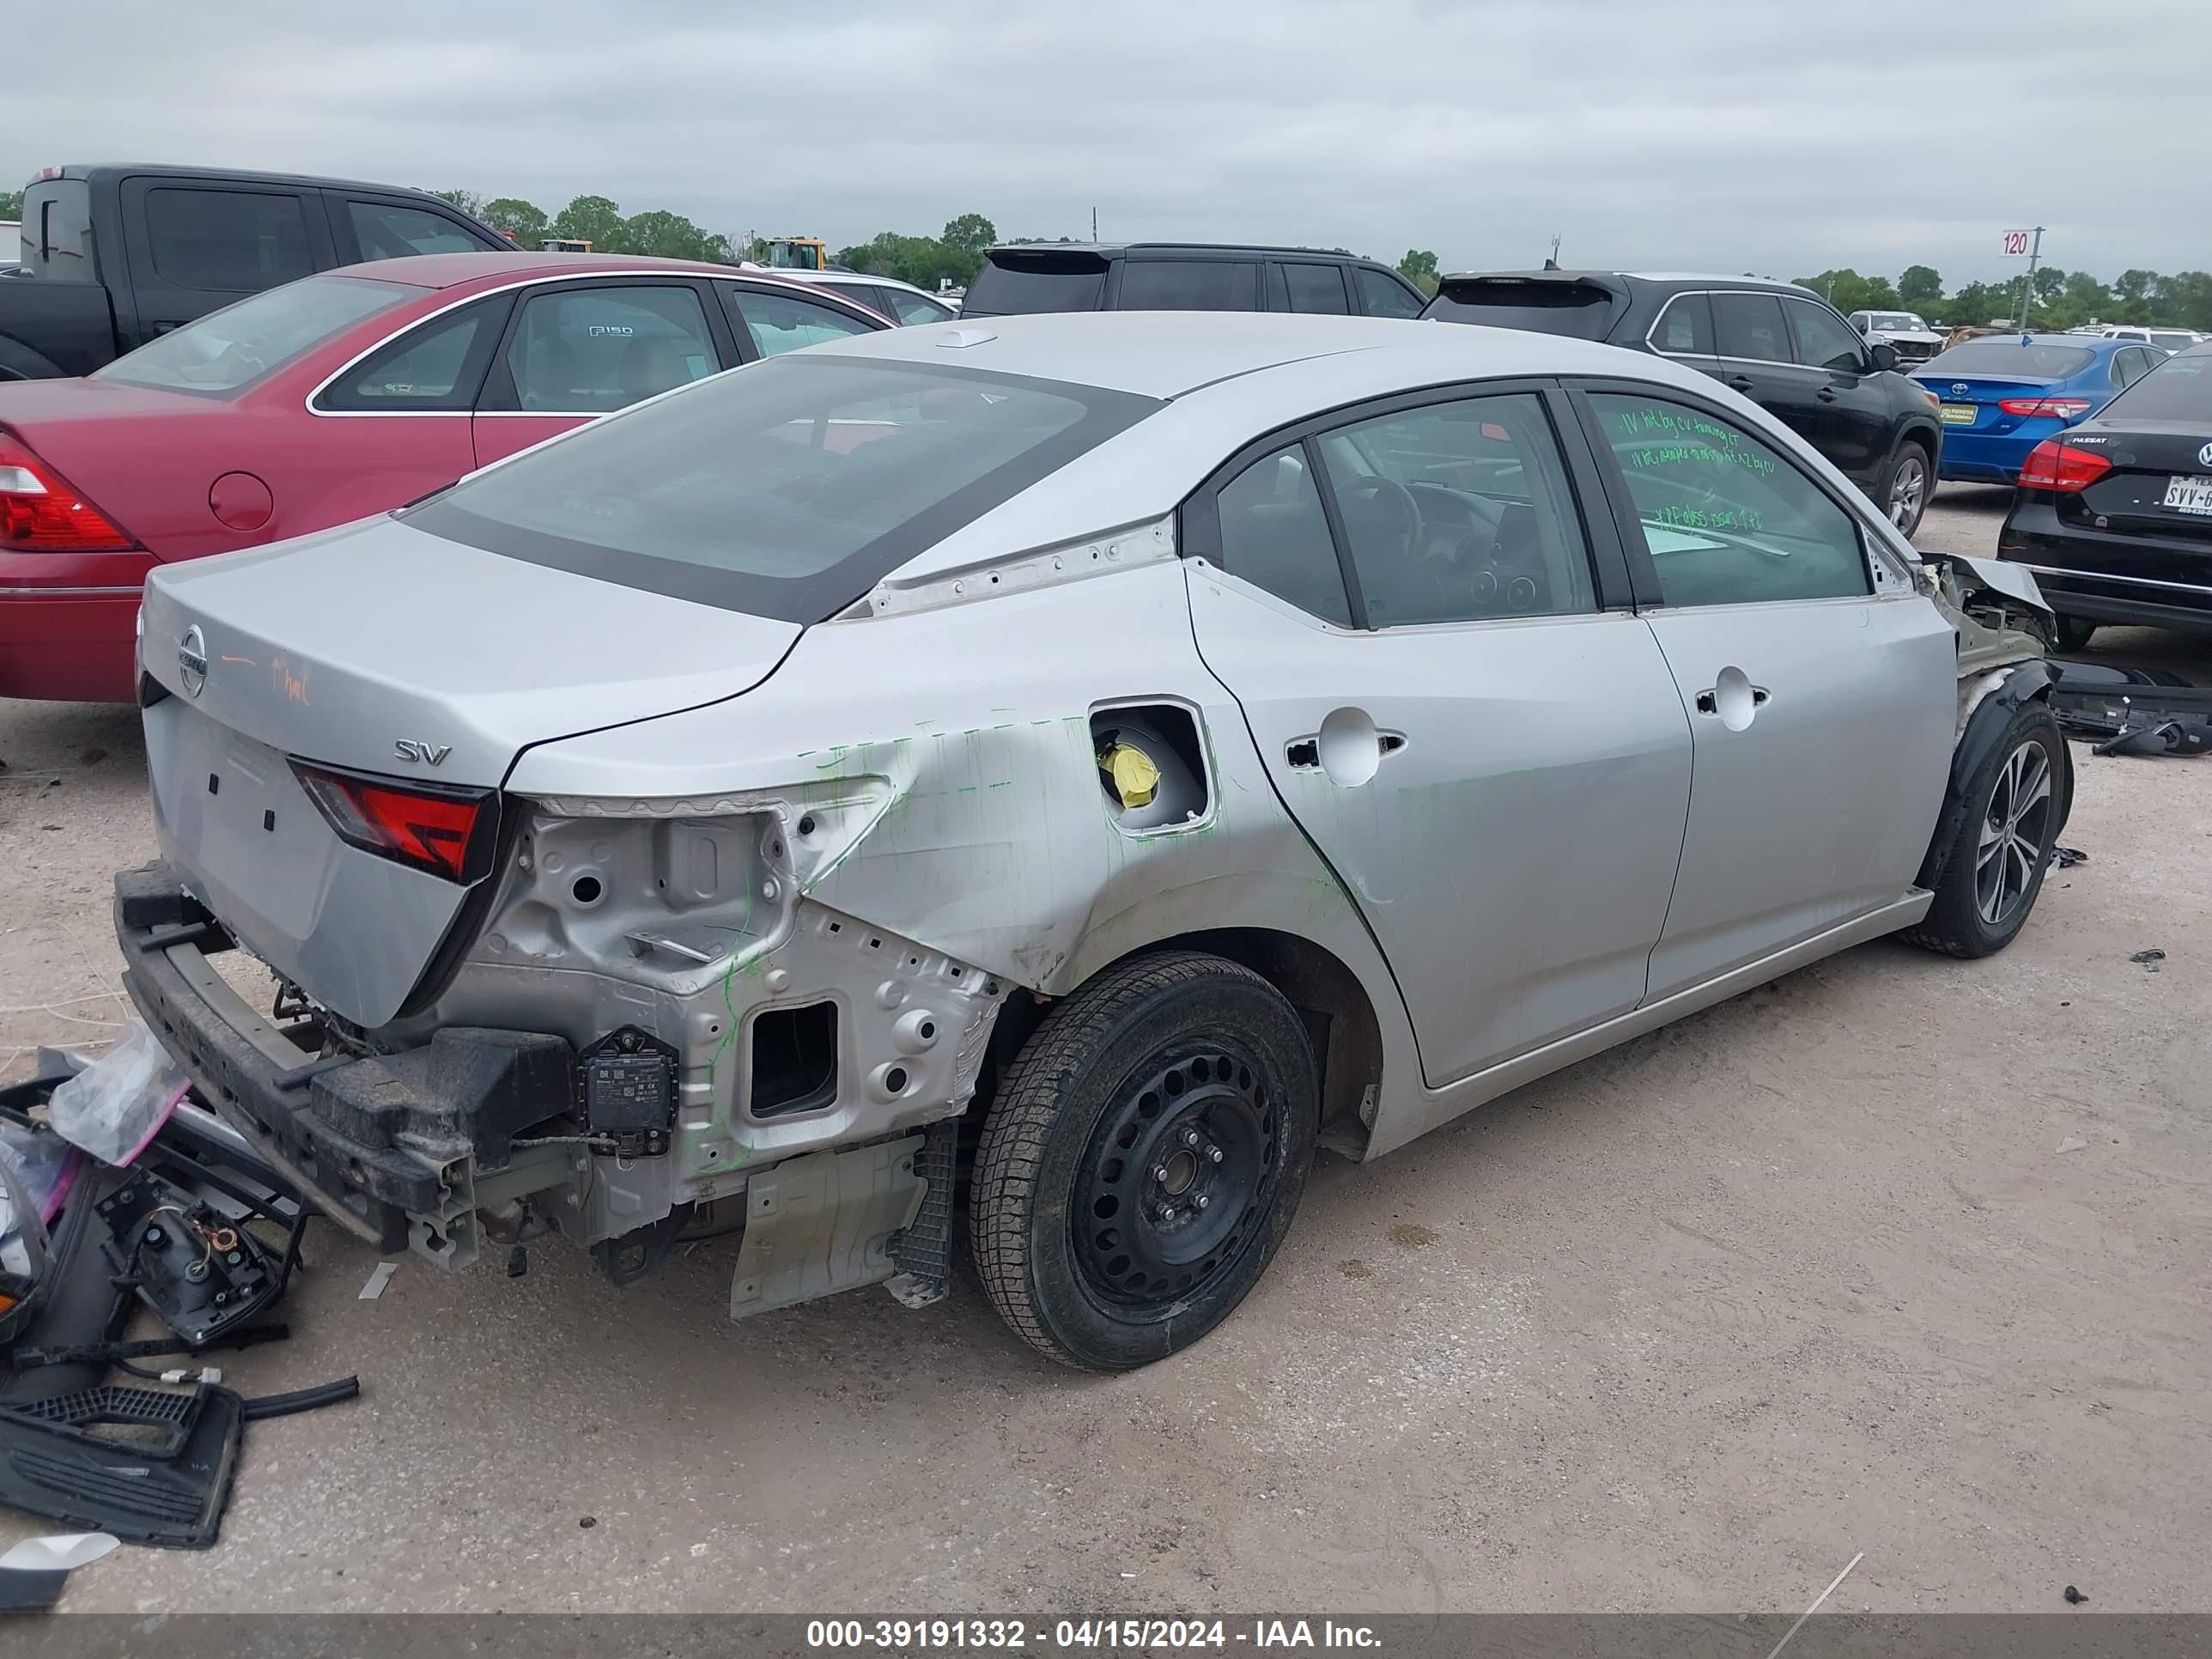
<point>1709,703</point>
<point>1739,383</point>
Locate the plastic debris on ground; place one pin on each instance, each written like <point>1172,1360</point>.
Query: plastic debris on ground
<point>2132,711</point>
<point>120,1198</point>
<point>378,1277</point>
<point>2067,857</point>
<point>114,1107</point>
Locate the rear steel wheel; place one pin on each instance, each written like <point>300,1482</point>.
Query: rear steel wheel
<point>1181,1164</point>
<point>1143,1159</point>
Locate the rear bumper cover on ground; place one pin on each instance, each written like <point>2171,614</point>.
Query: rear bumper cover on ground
<point>374,1140</point>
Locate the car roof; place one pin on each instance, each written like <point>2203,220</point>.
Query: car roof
<point>1169,355</point>
<point>450,269</point>
<point>1613,278</point>
<point>834,277</point>
<point>103,170</point>
<point>1108,250</point>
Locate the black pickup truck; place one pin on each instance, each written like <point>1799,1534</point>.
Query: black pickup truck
<point>113,256</point>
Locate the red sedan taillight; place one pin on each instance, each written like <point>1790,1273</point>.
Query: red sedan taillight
<point>444,832</point>
<point>2055,465</point>
<point>2065,409</point>
<point>41,512</point>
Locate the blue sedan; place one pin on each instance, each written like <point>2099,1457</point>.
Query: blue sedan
<point>2003,395</point>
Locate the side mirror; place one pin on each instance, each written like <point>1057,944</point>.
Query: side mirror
<point>1885,355</point>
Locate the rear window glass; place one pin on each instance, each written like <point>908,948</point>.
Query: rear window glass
<point>56,231</point>
<point>2009,358</point>
<point>1580,311</point>
<point>2179,389</point>
<point>228,350</point>
<point>1016,285</point>
<point>786,489</point>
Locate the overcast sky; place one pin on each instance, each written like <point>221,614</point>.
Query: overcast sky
<point>1781,136</point>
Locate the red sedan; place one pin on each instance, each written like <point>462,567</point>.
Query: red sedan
<point>329,399</point>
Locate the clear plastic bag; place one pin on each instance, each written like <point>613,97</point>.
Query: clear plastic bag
<point>115,1106</point>
<point>45,1165</point>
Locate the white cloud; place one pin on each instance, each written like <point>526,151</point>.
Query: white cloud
<point>1723,134</point>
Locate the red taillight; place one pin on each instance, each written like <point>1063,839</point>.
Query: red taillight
<point>2055,465</point>
<point>2065,409</point>
<point>447,832</point>
<point>40,513</point>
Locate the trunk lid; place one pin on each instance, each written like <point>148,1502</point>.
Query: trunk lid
<point>379,649</point>
<point>1981,393</point>
<point>2161,483</point>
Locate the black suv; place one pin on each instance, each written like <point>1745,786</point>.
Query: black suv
<point>1183,277</point>
<point>1782,346</point>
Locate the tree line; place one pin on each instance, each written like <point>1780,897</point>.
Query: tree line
<point>2057,298</point>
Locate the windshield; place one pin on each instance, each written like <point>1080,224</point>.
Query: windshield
<point>2172,340</point>
<point>228,350</point>
<point>786,489</point>
<point>2179,389</point>
<point>2007,359</point>
<point>1899,322</point>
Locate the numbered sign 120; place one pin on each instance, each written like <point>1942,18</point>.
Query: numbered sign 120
<point>2016,244</point>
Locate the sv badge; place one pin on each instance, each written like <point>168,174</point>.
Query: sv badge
<point>429,754</point>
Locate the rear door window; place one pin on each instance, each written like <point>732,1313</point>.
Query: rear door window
<point>1018,282</point>
<point>1382,295</point>
<point>592,350</point>
<point>234,241</point>
<point>1188,285</point>
<point>1459,512</point>
<point>389,230</point>
<point>1315,288</point>
<point>1274,534</point>
<point>911,308</point>
<point>439,365</point>
<point>777,323</point>
<point>1749,325</point>
<point>1821,341</point>
<point>1684,329</point>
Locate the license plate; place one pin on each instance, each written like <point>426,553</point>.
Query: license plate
<point>1959,414</point>
<point>2187,494</point>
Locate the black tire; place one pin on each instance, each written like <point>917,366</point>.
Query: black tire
<point>2074,633</point>
<point>1067,1201</point>
<point>1973,915</point>
<point>1906,484</point>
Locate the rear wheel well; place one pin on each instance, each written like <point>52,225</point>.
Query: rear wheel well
<point>1338,1018</point>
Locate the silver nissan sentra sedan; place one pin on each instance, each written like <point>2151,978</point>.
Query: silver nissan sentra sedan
<point>1079,764</point>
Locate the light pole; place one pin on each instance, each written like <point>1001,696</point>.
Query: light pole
<point>2027,282</point>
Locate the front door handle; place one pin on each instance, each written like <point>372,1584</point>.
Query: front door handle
<point>1739,383</point>
<point>1827,394</point>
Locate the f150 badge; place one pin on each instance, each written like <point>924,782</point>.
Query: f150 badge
<point>429,754</point>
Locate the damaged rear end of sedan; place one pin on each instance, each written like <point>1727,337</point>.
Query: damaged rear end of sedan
<point>873,777</point>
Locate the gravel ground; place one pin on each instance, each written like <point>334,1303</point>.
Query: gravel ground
<point>1685,1327</point>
